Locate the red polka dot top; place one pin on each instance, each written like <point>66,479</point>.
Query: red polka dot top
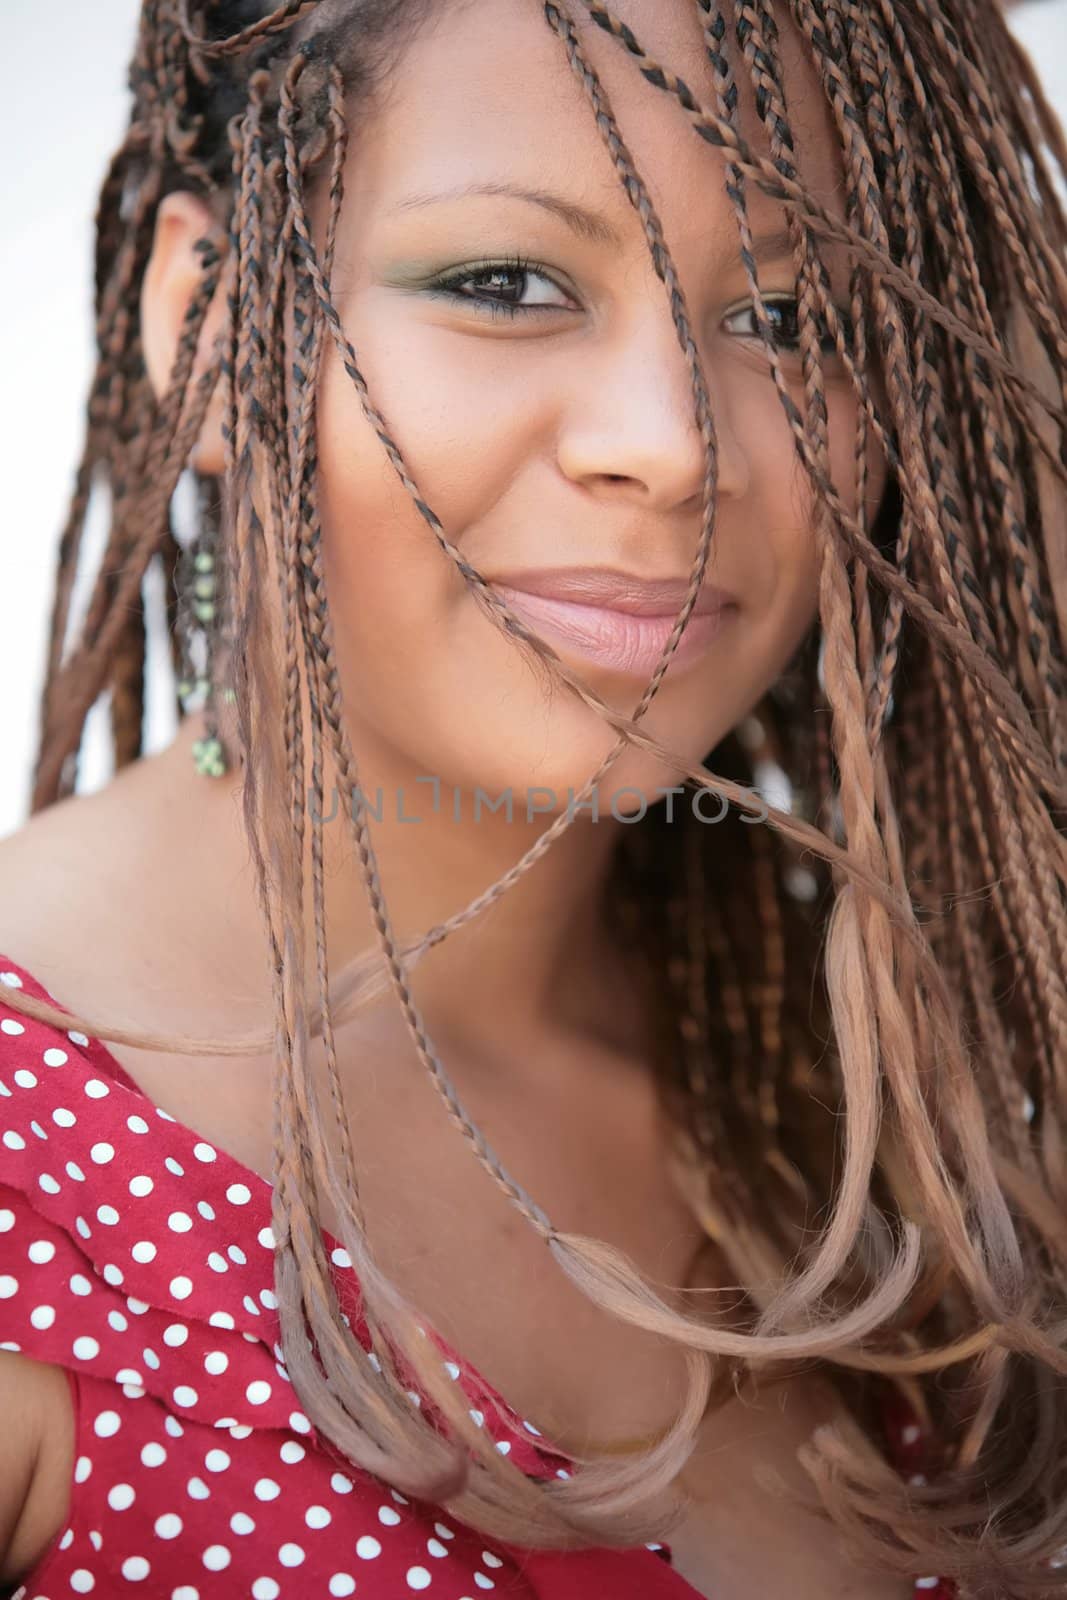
<point>138,1257</point>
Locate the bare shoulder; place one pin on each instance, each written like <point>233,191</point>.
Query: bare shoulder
<point>104,896</point>
<point>134,905</point>
<point>55,872</point>
<point>138,902</point>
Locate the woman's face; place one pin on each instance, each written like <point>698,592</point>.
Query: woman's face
<point>546,410</point>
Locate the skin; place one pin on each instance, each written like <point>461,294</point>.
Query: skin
<point>563,437</point>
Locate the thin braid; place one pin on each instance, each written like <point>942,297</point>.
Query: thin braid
<point>78,684</point>
<point>756,33</point>
<point>482,591</point>
<point>1016,729</point>
<point>104,418</point>
<point>946,184</point>
<point>354,799</point>
<point>751,26</point>
<point>772,989</point>
<point>497,609</point>
<point>1006,499</point>
<point>1020,895</point>
<point>1013,190</point>
<point>920,1126</point>
<point>1008,200</point>
<point>127,688</point>
<point>303,518</point>
<point>301,1272</point>
<point>976,809</point>
<point>279,21</point>
<point>889,147</point>
<point>759,52</point>
<point>295,1124</point>
<point>964,910</point>
<point>790,192</point>
<point>877,675</point>
<point>355,805</point>
<point>71,534</point>
<point>355,810</point>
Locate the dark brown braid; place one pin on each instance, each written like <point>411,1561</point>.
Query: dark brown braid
<point>862,1005</point>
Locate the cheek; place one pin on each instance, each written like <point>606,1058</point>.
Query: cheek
<point>785,487</point>
<point>770,535</point>
<point>770,527</point>
<point>844,410</point>
<point>465,414</point>
<point>467,426</point>
<point>390,582</point>
<point>420,668</point>
<point>386,575</point>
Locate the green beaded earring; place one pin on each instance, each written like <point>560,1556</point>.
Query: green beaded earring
<point>198,627</point>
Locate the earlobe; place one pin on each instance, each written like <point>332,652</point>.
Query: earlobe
<point>172,276</point>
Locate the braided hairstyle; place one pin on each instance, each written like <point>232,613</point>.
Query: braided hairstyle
<point>867,1066</point>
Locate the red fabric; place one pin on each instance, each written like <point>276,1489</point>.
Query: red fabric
<point>138,1257</point>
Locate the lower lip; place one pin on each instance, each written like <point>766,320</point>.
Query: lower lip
<point>616,641</point>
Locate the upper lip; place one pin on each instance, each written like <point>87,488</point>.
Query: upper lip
<point>615,591</point>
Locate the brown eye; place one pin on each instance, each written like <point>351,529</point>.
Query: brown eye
<point>503,285</point>
<point>510,287</point>
<point>783,314</point>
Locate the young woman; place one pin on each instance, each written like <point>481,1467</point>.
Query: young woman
<point>554,1080</point>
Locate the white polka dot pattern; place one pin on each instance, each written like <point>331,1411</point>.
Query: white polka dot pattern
<point>136,1254</point>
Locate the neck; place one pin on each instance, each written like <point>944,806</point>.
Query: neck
<point>539,959</point>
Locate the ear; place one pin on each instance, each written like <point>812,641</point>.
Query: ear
<point>173,274</point>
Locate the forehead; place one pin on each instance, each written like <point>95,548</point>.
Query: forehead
<point>486,90</point>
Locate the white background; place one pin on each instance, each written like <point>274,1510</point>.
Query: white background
<point>61,114</point>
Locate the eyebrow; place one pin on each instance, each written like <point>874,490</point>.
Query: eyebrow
<point>588,225</point>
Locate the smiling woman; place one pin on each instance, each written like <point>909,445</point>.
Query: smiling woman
<point>521,347</point>
<point>562,428</point>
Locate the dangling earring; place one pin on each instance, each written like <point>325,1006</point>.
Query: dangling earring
<point>198,627</point>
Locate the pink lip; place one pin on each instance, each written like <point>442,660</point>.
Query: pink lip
<point>616,620</point>
<point>615,591</point>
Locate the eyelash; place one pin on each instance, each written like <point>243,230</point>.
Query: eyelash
<point>448,288</point>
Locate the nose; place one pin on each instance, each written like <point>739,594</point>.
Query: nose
<point>630,431</point>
